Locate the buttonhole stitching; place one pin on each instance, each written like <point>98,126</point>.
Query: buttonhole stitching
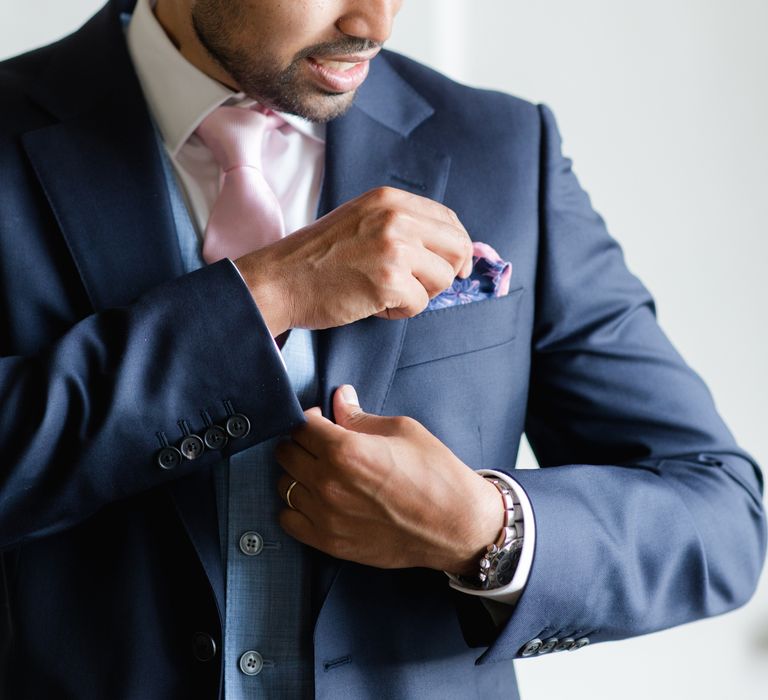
<point>335,663</point>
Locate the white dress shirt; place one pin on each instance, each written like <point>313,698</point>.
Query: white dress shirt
<point>179,97</point>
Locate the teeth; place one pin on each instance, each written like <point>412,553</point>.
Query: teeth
<point>342,66</point>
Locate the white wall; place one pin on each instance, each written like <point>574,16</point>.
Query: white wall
<point>663,105</point>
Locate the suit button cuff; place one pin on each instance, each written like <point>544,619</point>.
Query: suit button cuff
<point>531,648</point>
<point>169,458</point>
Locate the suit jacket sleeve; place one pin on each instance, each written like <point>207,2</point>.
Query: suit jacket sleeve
<point>79,422</point>
<point>647,512</point>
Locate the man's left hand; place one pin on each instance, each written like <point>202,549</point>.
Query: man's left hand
<point>385,492</point>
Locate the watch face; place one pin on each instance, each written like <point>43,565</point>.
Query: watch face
<point>506,567</point>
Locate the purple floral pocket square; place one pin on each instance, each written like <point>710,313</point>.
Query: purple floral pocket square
<point>490,278</point>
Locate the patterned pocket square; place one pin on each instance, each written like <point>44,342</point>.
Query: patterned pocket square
<point>490,278</point>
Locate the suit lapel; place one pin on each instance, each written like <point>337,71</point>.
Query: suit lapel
<point>100,167</point>
<point>111,202</point>
<point>373,145</point>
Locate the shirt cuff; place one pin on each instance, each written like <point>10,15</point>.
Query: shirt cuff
<point>274,342</point>
<point>511,592</point>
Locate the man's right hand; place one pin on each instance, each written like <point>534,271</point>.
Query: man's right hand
<point>386,253</point>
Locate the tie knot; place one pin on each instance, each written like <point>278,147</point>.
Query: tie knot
<point>236,136</point>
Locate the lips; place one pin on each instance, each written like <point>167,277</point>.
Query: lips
<point>340,74</point>
<point>336,65</point>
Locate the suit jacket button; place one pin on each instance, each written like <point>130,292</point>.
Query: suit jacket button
<point>548,645</point>
<point>580,643</point>
<point>168,458</point>
<point>251,543</point>
<point>192,447</point>
<point>251,663</point>
<point>531,648</point>
<point>238,426</point>
<point>215,438</point>
<point>565,644</point>
<point>203,647</point>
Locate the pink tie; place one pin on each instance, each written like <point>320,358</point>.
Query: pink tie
<point>247,214</point>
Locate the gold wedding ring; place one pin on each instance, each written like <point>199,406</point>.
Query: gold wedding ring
<point>288,496</point>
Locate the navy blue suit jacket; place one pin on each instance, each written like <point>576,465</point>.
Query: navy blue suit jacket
<point>648,513</point>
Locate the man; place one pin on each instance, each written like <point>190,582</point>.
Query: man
<point>163,337</point>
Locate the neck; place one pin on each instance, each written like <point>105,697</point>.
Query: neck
<point>176,20</point>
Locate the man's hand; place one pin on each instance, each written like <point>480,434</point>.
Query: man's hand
<point>386,253</point>
<point>384,492</point>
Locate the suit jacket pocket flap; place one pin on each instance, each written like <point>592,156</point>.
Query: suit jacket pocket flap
<point>460,329</point>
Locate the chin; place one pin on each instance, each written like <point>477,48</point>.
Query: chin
<point>320,107</point>
<point>329,106</point>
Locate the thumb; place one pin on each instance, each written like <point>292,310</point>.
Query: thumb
<point>349,415</point>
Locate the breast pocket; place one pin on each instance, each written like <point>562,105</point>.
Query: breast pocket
<point>457,330</point>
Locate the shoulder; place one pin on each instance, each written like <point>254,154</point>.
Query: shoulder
<point>47,83</point>
<point>20,78</point>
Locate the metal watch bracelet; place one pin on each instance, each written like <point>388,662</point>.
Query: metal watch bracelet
<point>499,562</point>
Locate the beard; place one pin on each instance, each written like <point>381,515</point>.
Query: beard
<point>278,87</point>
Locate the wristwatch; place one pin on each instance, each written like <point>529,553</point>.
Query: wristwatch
<point>499,562</point>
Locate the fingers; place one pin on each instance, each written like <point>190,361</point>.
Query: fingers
<point>424,276</point>
<point>297,462</point>
<point>298,526</point>
<point>413,299</point>
<point>316,433</point>
<point>451,242</point>
<point>433,272</point>
<point>418,204</point>
<point>435,225</point>
<point>349,415</point>
<point>294,494</point>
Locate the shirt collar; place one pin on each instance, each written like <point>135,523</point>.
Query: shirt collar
<point>180,95</point>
